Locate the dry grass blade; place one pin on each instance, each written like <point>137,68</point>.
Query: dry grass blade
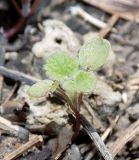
<point>76,10</point>
<point>125,5</point>
<point>126,136</point>
<point>96,139</point>
<point>18,76</point>
<point>10,94</point>
<point>11,129</point>
<point>19,151</point>
<point>104,32</point>
<point>109,129</point>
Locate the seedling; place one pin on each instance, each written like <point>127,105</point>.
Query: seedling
<point>73,77</point>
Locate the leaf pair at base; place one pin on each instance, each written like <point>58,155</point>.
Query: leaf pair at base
<point>83,82</point>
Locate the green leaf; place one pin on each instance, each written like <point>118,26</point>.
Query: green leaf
<point>40,89</point>
<point>61,66</point>
<point>54,86</point>
<point>83,82</point>
<point>70,85</point>
<point>94,54</point>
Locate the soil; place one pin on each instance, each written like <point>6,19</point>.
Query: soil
<point>114,104</point>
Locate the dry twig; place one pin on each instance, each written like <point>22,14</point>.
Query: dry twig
<point>126,12</point>
<point>103,32</point>
<point>126,136</point>
<point>15,130</point>
<point>76,10</point>
<point>22,149</point>
<point>18,76</point>
<point>109,129</point>
<point>10,94</point>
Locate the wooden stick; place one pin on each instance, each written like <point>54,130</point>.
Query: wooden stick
<point>109,129</point>
<point>125,136</point>
<point>18,76</point>
<point>10,94</point>
<point>76,10</point>
<point>96,139</point>
<point>109,9</point>
<point>22,149</point>
<point>15,130</point>
<point>104,32</point>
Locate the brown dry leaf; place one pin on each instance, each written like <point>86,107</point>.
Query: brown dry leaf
<point>60,144</point>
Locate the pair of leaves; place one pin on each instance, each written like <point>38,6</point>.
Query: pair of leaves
<point>92,56</point>
<point>61,67</point>
<point>83,82</point>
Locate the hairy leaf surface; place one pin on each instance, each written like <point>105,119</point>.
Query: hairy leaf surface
<point>40,89</point>
<point>83,82</point>
<point>60,66</point>
<point>94,54</point>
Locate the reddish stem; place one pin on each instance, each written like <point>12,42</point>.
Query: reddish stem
<point>24,1</point>
<point>77,102</point>
<point>17,8</point>
<point>16,28</point>
<point>34,6</point>
<point>21,22</point>
<point>77,114</point>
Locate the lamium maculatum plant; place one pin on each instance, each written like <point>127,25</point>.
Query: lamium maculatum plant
<point>73,77</point>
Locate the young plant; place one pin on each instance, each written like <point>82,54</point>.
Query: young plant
<point>73,77</point>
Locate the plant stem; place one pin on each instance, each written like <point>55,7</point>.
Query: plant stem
<point>34,6</point>
<point>23,16</point>
<point>65,96</point>
<point>17,8</point>
<point>77,114</point>
<point>75,107</point>
<point>16,28</point>
<point>78,99</point>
